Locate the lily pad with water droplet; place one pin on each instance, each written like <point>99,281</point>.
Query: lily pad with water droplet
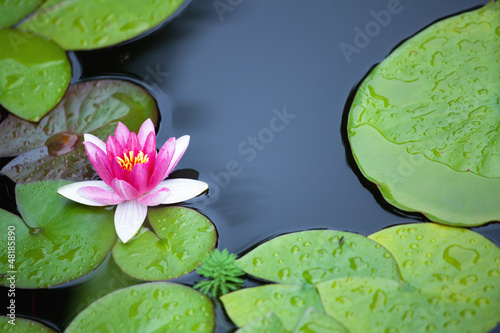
<point>56,240</point>
<point>288,302</point>
<point>318,255</point>
<point>270,323</point>
<point>381,305</point>
<point>179,240</point>
<point>424,124</point>
<point>148,307</point>
<point>13,11</point>
<point>90,24</point>
<point>318,322</point>
<point>22,325</point>
<point>30,86</point>
<point>455,265</point>
<point>53,148</point>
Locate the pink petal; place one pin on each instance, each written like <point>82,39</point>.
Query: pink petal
<point>124,189</point>
<point>146,129</point>
<point>154,198</point>
<point>162,162</point>
<point>114,149</point>
<point>129,216</point>
<point>100,195</point>
<point>118,171</point>
<point>99,161</point>
<point>182,189</point>
<point>71,191</point>
<point>181,145</point>
<point>95,140</point>
<point>121,133</point>
<point>149,149</point>
<point>133,144</point>
<point>139,177</point>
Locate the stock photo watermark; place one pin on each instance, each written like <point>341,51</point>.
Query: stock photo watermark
<point>364,35</point>
<point>248,149</point>
<point>223,6</point>
<point>11,274</point>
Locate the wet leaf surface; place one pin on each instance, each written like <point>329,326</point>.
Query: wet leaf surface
<point>380,305</point>
<point>90,24</point>
<point>266,324</point>
<point>424,124</point>
<point>450,284</point>
<point>30,86</point>
<point>53,148</point>
<point>449,265</point>
<point>318,255</point>
<point>23,325</point>
<point>149,307</point>
<point>288,302</point>
<point>13,11</point>
<point>57,240</point>
<point>179,240</point>
<point>318,322</point>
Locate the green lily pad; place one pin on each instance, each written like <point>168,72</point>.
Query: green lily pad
<point>53,149</point>
<point>318,322</point>
<point>270,323</point>
<point>30,86</point>
<point>456,265</point>
<point>149,307</point>
<point>179,240</point>
<point>58,241</point>
<point>13,11</point>
<point>90,24</point>
<point>288,302</point>
<point>318,255</point>
<point>424,123</point>
<point>23,325</point>
<point>381,305</point>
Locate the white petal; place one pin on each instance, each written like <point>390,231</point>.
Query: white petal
<point>95,140</point>
<point>182,189</point>
<point>70,191</point>
<point>129,216</point>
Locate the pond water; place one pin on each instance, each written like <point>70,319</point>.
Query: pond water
<point>262,87</point>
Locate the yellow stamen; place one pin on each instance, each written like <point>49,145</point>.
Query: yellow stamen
<point>128,162</point>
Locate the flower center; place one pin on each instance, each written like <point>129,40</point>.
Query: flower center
<point>128,161</point>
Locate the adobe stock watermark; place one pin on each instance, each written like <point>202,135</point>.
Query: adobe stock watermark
<point>248,150</point>
<point>11,292</point>
<point>363,37</point>
<point>223,6</point>
<point>155,75</point>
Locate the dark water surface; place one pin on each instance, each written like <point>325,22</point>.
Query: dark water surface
<point>262,89</point>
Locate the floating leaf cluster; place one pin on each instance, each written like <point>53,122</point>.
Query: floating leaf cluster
<point>222,273</point>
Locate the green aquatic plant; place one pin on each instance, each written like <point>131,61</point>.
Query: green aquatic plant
<point>424,123</point>
<point>222,273</point>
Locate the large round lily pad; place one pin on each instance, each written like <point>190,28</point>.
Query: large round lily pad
<point>90,24</point>
<point>453,265</point>
<point>318,255</point>
<point>53,149</point>
<point>34,74</point>
<point>424,124</point>
<point>22,325</point>
<point>11,11</point>
<point>56,241</point>
<point>149,307</point>
<point>179,240</point>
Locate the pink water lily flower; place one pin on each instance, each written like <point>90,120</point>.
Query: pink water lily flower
<point>133,174</point>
